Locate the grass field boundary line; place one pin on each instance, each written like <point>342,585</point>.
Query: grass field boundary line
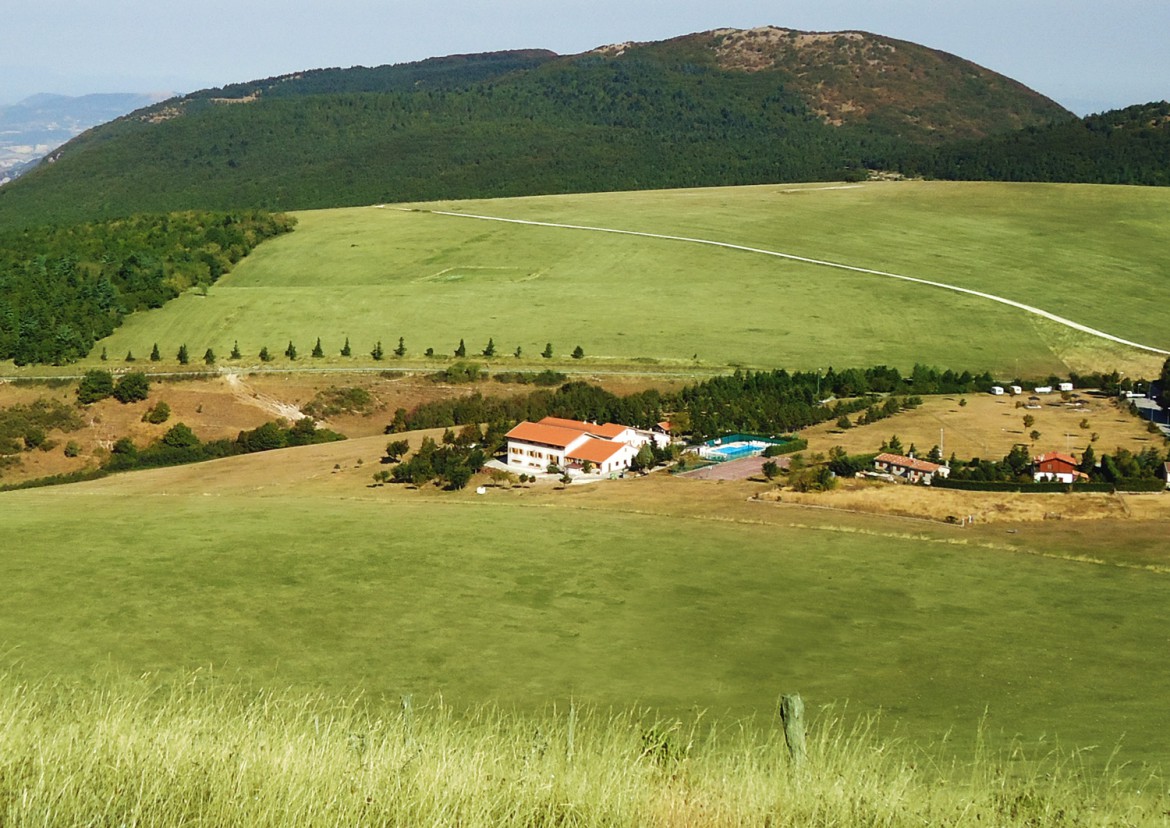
<point>1155,569</point>
<point>799,505</point>
<point>1077,326</point>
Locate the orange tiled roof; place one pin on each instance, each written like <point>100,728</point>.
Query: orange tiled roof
<point>596,451</point>
<point>1057,456</point>
<point>549,435</point>
<point>908,463</point>
<point>608,430</point>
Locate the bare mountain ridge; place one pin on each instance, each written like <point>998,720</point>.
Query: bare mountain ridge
<point>856,77</point>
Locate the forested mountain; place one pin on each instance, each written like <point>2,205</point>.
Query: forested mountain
<point>37,125</point>
<point>1125,146</point>
<point>724,107</point>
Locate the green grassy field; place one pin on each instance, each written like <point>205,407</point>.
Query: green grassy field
<point>199,753</point>
<point>525,600</point>
<point>1097,255</point>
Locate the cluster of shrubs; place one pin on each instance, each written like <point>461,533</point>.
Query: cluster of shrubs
<point>450,465</point>
<point>25,427</point>
<point>334,401</point>
<point>874,413</point>
<point>181,445</point>
<point>99,385</point>
<point>544,379</point>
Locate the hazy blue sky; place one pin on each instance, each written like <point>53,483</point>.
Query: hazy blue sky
<point>1087,54</point>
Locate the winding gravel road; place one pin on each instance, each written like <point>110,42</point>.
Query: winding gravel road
<point>1076,326</point>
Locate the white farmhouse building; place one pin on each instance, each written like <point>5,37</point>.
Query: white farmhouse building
<point>910,468</point>
<point>570,444</point>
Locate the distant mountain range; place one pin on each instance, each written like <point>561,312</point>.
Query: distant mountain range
<point>34,127</point>
<point>723,107</point>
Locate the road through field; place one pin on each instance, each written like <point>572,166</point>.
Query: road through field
<point>1077,326</point>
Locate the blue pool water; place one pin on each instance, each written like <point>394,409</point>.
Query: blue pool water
<point>734,451</point>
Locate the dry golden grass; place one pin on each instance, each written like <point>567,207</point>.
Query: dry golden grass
<point>985,507</point>
<point>988,427</point>
<point>216,409</point>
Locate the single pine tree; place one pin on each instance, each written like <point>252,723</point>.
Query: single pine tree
<point>345,351</point>
<point>317,351</point>
<point>155,356</point>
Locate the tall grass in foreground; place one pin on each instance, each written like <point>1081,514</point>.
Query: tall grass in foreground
<point>143,754</point>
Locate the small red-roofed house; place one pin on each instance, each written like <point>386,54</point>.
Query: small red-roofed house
<point>1056,466</point>
<point>910,468</point>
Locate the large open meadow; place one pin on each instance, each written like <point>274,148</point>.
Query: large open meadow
<point>286,571</point>
<point>1096,255</point>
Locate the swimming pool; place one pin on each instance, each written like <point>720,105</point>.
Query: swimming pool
<point>734,451</point>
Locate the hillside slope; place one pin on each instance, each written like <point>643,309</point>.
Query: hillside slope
<point>1125,146</point>
<point>433,276</point>
<point>39,124</point>
<point>718,108</point>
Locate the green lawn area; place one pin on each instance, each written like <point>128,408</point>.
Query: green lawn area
<point>1097,255</point>
<point>488,600</point>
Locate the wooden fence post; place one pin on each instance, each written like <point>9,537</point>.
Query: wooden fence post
<point>792,715</point>
<point>408,716</point>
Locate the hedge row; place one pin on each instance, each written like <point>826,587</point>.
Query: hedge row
<point>1042,488</point>
<point>789,446</point>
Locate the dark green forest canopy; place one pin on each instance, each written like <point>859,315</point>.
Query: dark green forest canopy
<point>63,288</point>
<point>610,126</point>
<point>1125,146</point>
<point>659,115</point>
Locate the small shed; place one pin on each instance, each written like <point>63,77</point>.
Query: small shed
<point>997,390</point>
